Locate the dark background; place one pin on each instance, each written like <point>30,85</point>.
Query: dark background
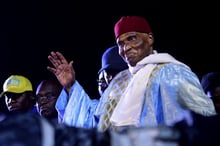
<point>82,30</point>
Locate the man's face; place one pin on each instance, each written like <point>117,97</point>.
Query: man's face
<point>134,46</point>
<point>18,102</point>
<point>102,84</point>
<point>104,80</point>
<point>47,94</point>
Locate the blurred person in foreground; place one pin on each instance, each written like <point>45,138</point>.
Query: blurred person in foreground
<point>156,90</point>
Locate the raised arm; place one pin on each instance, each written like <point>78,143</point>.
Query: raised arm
<point>63,70</point>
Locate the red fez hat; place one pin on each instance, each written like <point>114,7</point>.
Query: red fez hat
<point>131,23</point>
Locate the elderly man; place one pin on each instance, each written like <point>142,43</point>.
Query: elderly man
<point>156,90</point>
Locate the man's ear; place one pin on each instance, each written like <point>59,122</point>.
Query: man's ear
<point>151,35</point>
<point>151,38</point>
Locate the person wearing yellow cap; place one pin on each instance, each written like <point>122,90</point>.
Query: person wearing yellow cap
<point>160,91</point>
<point>18,94</point>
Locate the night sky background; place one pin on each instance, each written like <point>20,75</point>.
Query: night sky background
<point>82,30</point>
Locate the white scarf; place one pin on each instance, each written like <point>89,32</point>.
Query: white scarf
<point>128,109</point>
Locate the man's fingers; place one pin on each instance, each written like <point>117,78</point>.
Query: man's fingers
<point>53,61</point>
<point>61,58</point>
<point>71,63</point>
<point>53,70</point>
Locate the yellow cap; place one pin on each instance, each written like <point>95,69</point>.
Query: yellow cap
<point>16,84</point>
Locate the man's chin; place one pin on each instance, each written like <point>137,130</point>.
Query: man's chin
<point>45,114</point>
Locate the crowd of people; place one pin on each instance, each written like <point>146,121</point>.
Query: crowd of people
<point>141,90</point>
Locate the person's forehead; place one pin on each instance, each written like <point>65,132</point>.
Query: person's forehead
<point>12,93</point>
<point>129,34</point>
